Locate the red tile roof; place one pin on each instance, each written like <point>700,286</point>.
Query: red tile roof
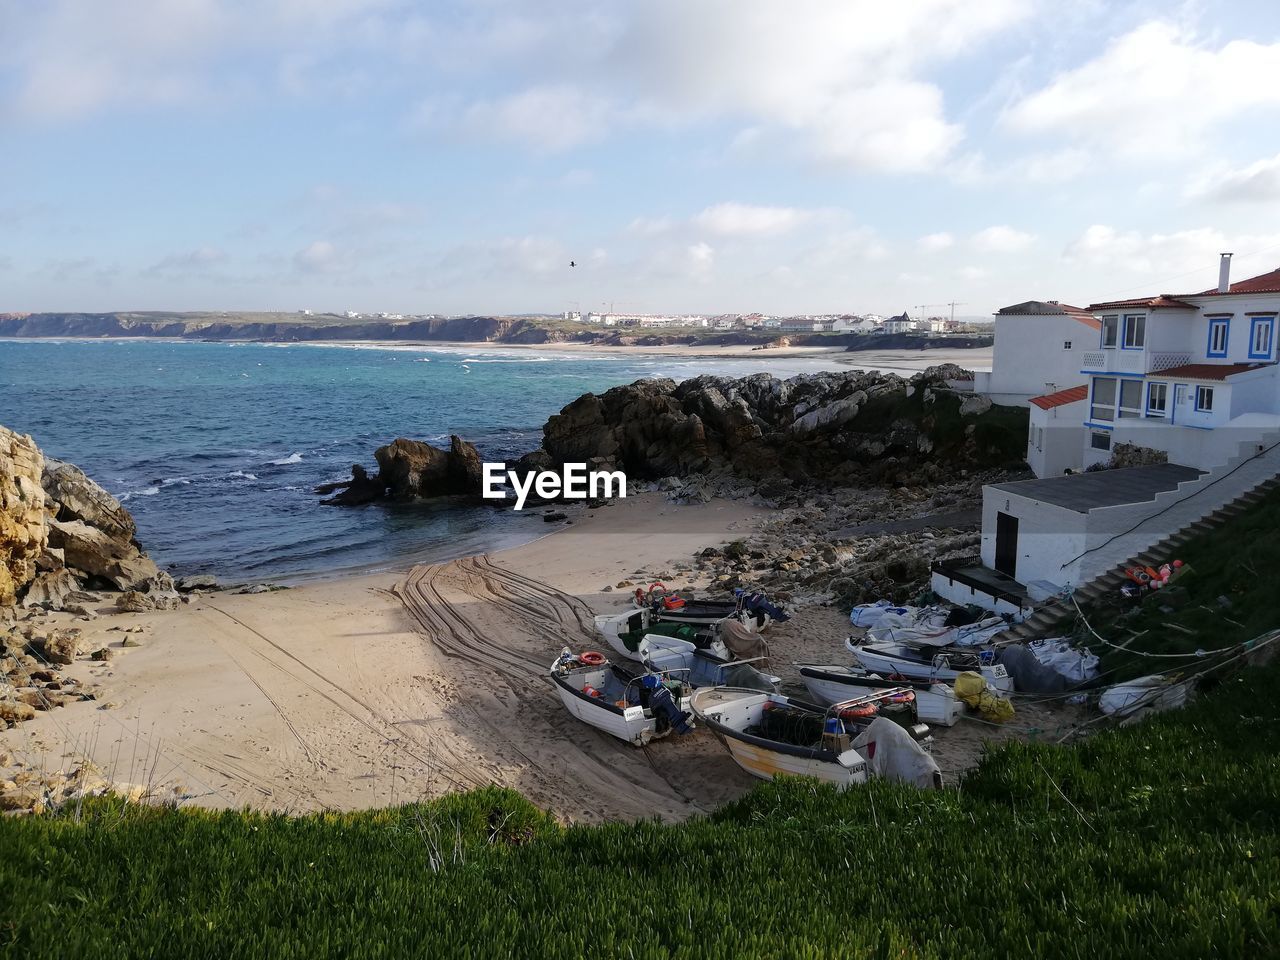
<point>1062,397</point>
<point>1207,371</point>
<point>1264,283</point>
<point>1163,302</point>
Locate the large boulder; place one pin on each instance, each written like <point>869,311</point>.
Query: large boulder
<point>76,497</point>
<point>410,468</point>
<point>22,513</point>
<point>97,554</point>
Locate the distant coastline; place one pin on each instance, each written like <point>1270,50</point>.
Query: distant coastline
<point>440,331</point>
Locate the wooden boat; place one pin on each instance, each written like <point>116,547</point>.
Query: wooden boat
<point>667,607</point>
<point>935,663</point>
<point>935,703</point>
<point>634,706</point>
<point>710,667</point>
<point>769,734</point>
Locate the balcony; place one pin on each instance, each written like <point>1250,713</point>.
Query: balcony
<point>1134,361</point>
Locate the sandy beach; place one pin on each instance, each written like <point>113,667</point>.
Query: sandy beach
<point>376,690</point>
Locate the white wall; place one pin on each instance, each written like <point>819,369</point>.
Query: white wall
<point>1061,445</point>
<point>1047,535</point>
<point>1029,358</point>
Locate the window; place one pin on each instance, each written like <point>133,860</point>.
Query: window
<point>1100,441</point>
<point>1157,399</point>
<point>1261,337</point>
<point>1135,331</point>
<point>1130,398</point>
<point>1104,399</point>
<point>1109,327</point>
<point>1066,344</point>
<point>1219,331</point>
<point>1204,398</point>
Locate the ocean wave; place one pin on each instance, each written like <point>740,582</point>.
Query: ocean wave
<point>241,475</point>
<point>285,461</point>
<point>174,481</point>
<point>145,492</point>
<point>421,359</point>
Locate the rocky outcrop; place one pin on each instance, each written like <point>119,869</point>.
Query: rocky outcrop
<point>411,469</point>
<point>60,532</point>
<point>22,514</point>
<point>825,429</point>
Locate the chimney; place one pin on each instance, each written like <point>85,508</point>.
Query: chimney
<point>1224,273</point>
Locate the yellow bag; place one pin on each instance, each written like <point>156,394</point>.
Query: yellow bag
<point>977,694</point>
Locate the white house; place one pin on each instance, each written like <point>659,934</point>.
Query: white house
<point>1189,378</point>
<point>1039,349</point>
<point>855,325</point>
<point>899,324</point>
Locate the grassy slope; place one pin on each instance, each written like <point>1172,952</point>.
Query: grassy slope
<point>1158,839</point>
<point>1238,562</point>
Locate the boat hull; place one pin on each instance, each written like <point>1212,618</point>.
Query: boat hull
<point>936,703</point>
<point>887,662</point>
<point>636,729</point>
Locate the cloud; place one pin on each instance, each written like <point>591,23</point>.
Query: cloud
<point>194,261</point>
<point>544,118</point>
<point>1257,182</point>
<point>701,260</point>
<point>319,256</point>
<point>934,242</point>
<point>1173,256</point>
<point>1002,239</point>
<point>1156,91</point>
<point>745,220</point>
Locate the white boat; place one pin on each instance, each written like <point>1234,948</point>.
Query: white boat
<point>769,734</point>
<point>633,706</point>
<point>888,659</point>
<point>710,667</point>
<point>623,631</point>
<point>935,703</point>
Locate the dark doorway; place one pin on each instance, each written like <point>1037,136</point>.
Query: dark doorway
<point>1007,544</point>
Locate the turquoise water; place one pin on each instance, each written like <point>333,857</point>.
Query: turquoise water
<point>215,447</point>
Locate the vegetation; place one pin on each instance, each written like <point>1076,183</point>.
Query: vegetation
<point>1225,596</point>
<point>1159,839</point>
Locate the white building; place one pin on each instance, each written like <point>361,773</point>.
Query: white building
<point>1188,378</point>
<point>899,324</point>
<point>855,325</point>
<point>1039,349</point>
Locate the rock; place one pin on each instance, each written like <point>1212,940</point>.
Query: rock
<point>76,497</point>
<point>52,590</point>
<point>80,610</point>
<point>52,559</point>
<point>130,642</point>
<point>23,536</point>
<point>254,588</point>
<point>974,405</point>
<point>134,601</point>
<point>14,711</point>
<point>361,488</point>
<point>410,468</point>
<point>554,517</point>
<point>61,646</point>
<point>102,653</point>
<point>98,554</point>
<point>198,581</point>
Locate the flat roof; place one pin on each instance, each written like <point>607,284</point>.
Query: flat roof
<point>1083,492</point>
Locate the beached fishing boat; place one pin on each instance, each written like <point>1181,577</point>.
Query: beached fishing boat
<point>710,667</point>
<point>634,706</point>
<point>769,734</point>
<point>672,608</point>
<point>935,703</point>
<point>933,663</point>
<point>624,631</point>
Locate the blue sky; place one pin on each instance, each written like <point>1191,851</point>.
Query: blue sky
<point>691,155</point>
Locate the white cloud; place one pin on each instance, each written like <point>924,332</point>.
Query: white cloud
<point>745,220</point>
<point>545,118</point>
<point>936,241</point>
<point>1171,257</point>
<point>189,262</point>
<point>1154,92</point>
<point>700,260</point>
<point>319,256</point>
<point>1257,182</point>
<point>1002,239</point>
<point>971,273</point>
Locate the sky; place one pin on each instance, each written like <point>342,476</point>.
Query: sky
<point>704,156</point>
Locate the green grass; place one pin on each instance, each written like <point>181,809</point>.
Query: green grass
<point>1236,562</point>
<point>1155,840</point>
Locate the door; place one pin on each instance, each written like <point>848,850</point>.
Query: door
<point>1007,544</point>
<point>1184,410</point>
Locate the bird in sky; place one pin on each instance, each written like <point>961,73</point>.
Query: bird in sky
<point>573,263</point>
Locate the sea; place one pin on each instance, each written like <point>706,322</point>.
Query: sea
<point>216,447</point>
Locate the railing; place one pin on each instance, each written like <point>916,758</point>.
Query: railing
<point>1095,360</point>
<point>1167,360</point>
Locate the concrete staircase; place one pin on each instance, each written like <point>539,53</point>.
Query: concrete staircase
<point>1223,493</point>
